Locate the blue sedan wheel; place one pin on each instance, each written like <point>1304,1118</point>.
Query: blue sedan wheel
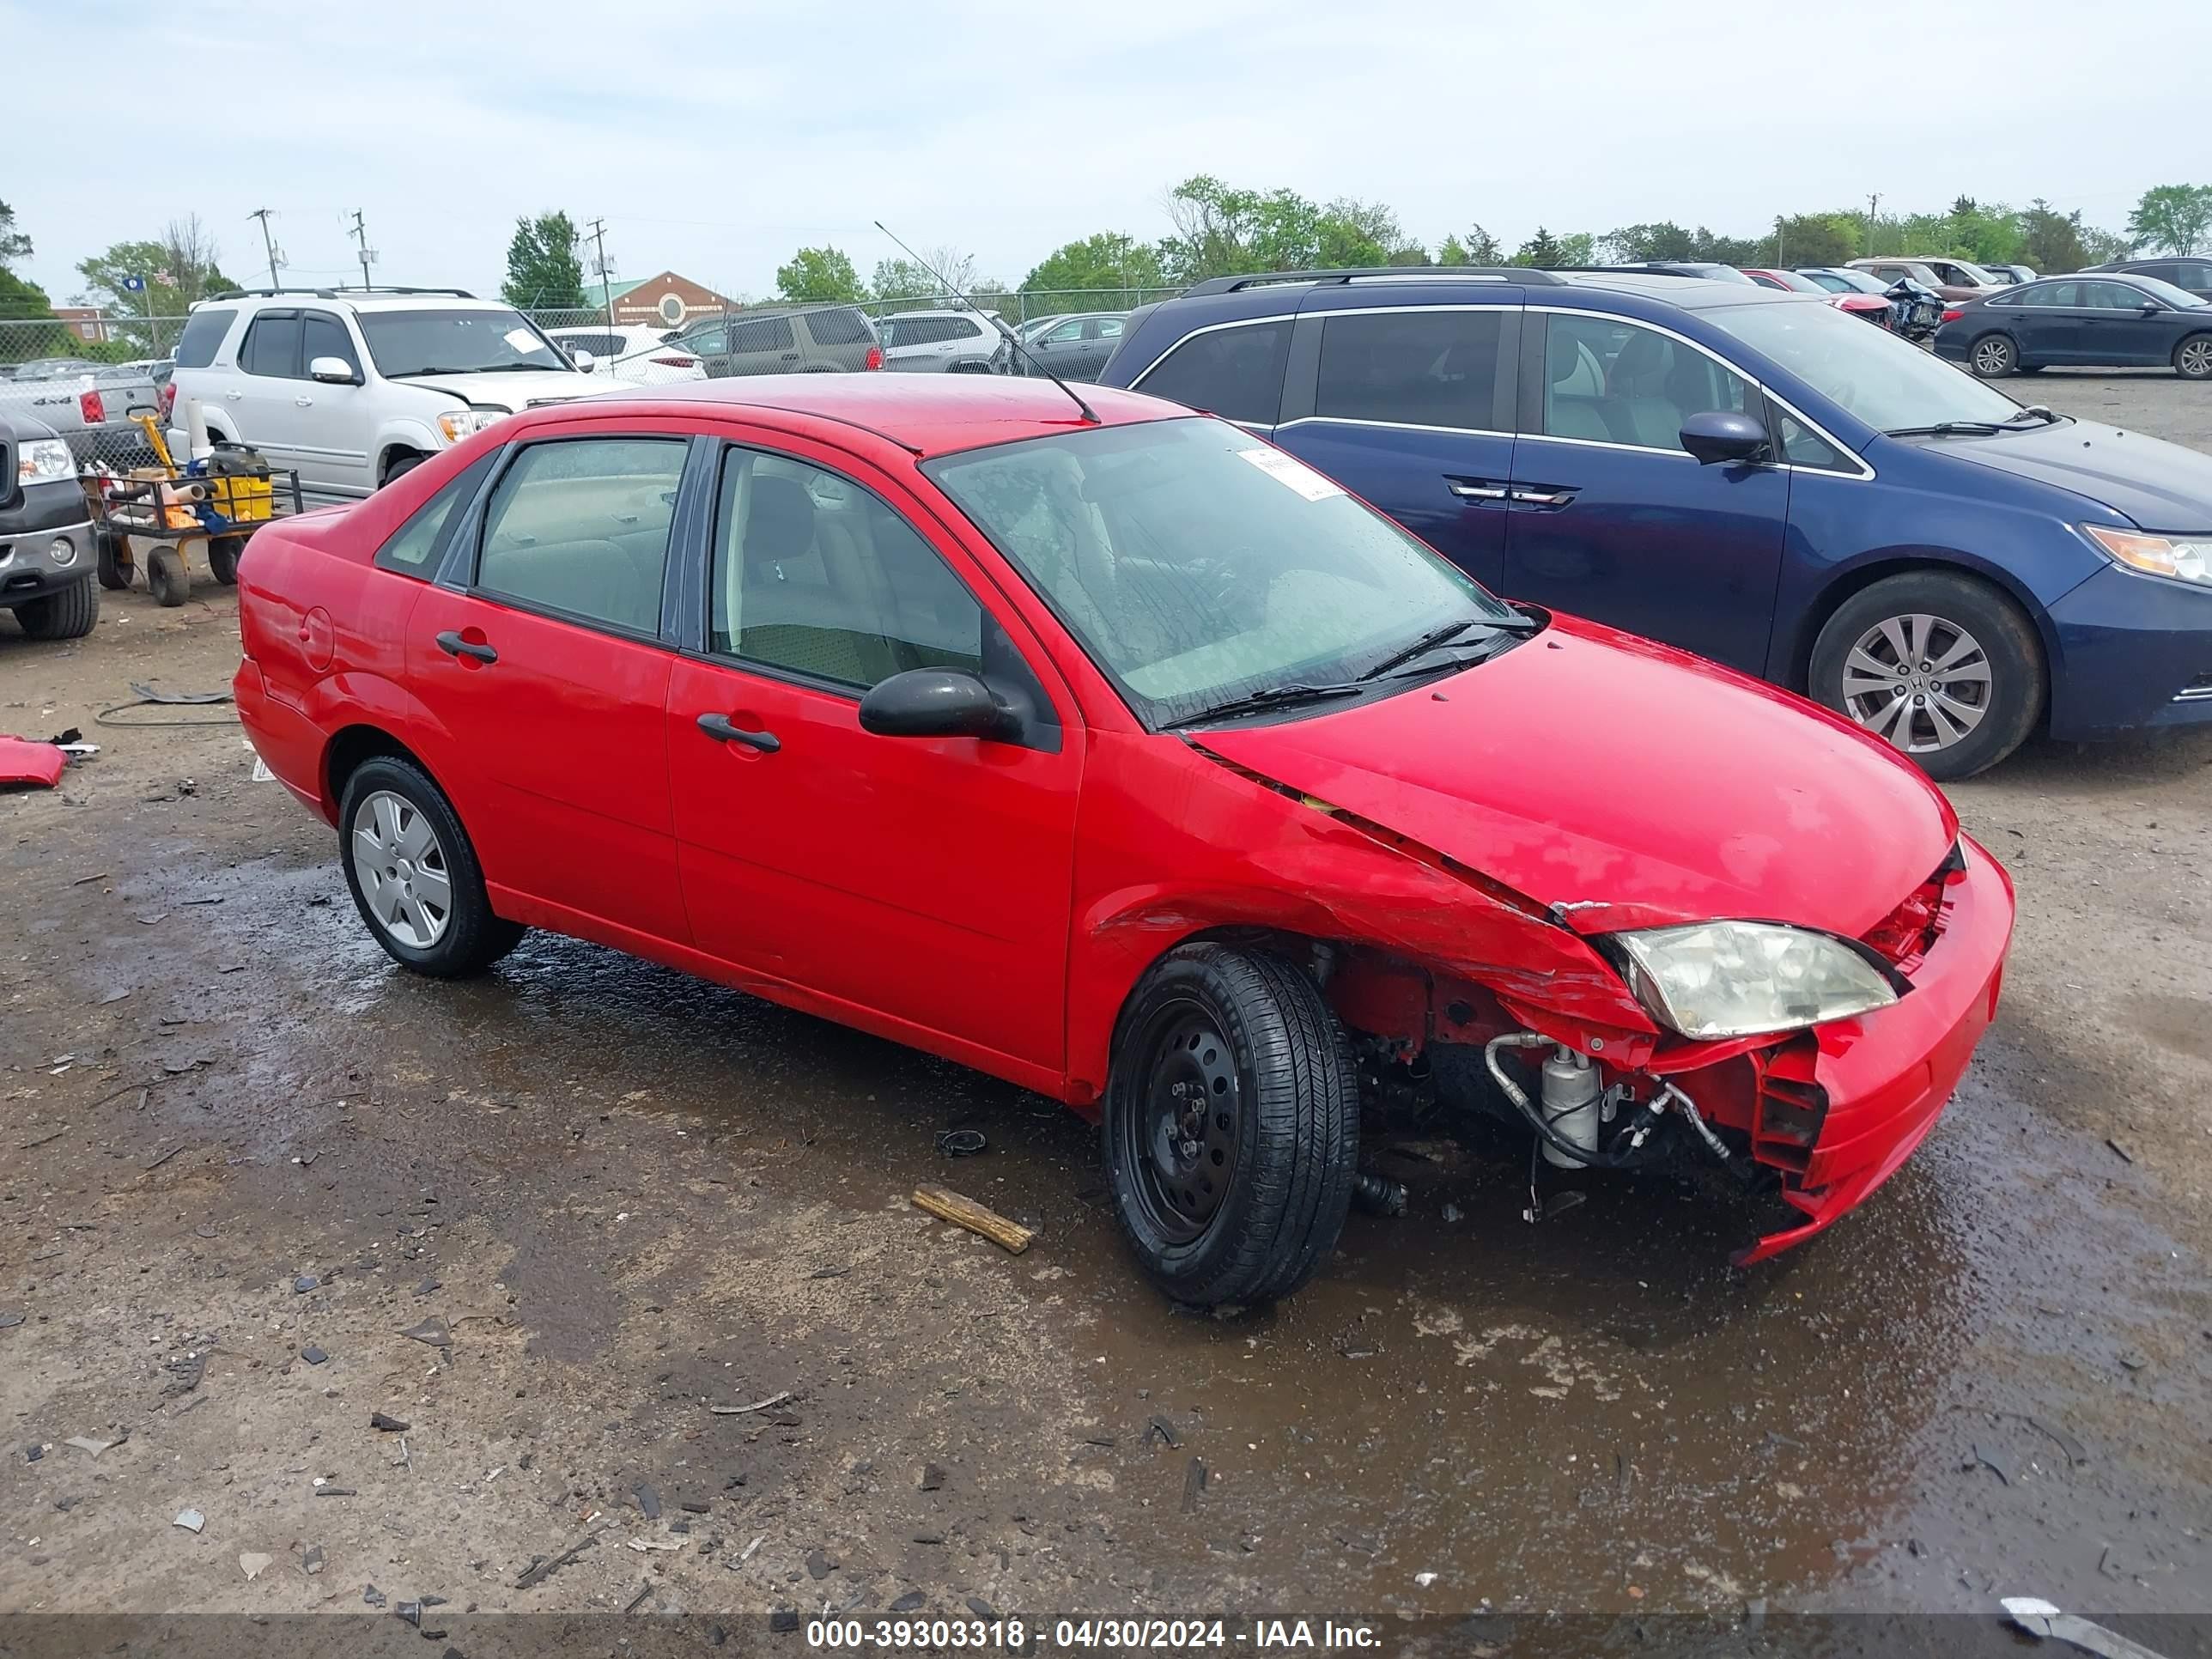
<point>1993,356</point>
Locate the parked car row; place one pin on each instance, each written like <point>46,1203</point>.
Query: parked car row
<point>2117,318</point>
<point>1740,472</point>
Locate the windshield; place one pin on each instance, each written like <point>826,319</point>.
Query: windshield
<point>1974,274</point>
<point>457,343</point>
<point>2159,289</point>
<point>1857,280</point>
<point>1884,379</point>
<point>1199,565</point>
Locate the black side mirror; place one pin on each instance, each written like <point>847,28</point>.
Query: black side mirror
<point>936,703</point>
<point>1721,434</point>
<point>2151,307</point>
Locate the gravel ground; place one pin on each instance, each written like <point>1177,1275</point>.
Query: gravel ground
<point>243,1162</point>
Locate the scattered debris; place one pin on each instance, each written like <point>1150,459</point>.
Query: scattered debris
<point>305,1283</point>
<point>1425,1579</point>
<point>2134,1358</point>
<point>87,1444</point>
<point>313,1355</point>
<point>907,1602</point>
<point>543,1567</point>
<point>828,1272</point>
<point>2107,1564</point>
<point>371,1596</point>
<point>313,1561</point>
<point>2040,1619</point>
<point>50,1134</point>
<point>1160,1429</point>
<point>336,1491</point>
<point>1452,1212</point>
<point>1985,1460</point>
<point>962,1143</point>
<point>389,1424</point>
<point>1193,1483</point>
<point>982,1608</point>
<point>431,1331</point>
<point>642,1545</point>
<point>427,1286</point>
<point>10,1318</point>
<point>2075,1450</point>
<point>783,1619</point>
<point>757,1406</point>
<point>1378,1194</point>
<point>932,1478</point>
<point>190,1520</point>
<point>648,1502</point>
<point>644,1595</point>
<point>746,1554</point>
<point>2123,1154</point>
<point>253,1564</point>
<point>947,1205</point>
<point>163,1157</point>
<point>33,1452</point>
<point>818,1565</point>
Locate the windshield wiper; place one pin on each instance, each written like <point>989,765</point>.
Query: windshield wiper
<point>2034,414</point>
<point>1275,697</point>
<point>1438,637</point>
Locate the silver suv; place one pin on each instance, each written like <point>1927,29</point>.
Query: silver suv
<point>351,388</point>
<point>942,343</point>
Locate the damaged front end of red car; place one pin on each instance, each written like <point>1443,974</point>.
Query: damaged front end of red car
<point>1561,1039</point>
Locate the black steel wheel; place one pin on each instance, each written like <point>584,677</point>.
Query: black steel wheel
<point>167,578</point>
<point>223,558</point>
<point>1232,1125</point>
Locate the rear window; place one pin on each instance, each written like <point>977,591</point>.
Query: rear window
<point>203,332</point>
<point>1419,368</point>
<point>1236,372</point>
<point>768,334</point>
<point>843,326</point>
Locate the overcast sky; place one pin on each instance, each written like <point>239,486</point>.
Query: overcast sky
<point>715,139</point>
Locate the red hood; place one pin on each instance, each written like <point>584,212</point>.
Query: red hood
<point>1633,783</point>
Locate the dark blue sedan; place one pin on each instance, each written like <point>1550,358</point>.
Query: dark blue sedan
<point>2111,320</point>
<point>1750,475</point>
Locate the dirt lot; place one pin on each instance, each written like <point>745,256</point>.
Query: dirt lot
<point>243,1161</point>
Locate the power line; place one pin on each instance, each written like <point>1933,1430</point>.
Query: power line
<point>368,254</point>
<point>606,277</point>
<point>267,241</point>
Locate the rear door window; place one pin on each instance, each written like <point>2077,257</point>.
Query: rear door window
<point>580,527</point>
<point>203,332</point>
<point>1236,373</point>
<point>1435,368</point>
<point>765,334</point>
<point>841,325</point>
<point>272,345</point>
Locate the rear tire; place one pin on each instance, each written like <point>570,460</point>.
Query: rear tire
<point>1232,1126</point>
<point>67,615</point>
<point>2192,358</point>
<point>168,579</point>
<point>223,558</point>
<point>1984,670</point>
<point>424,903</point>
<point>1993,356</point>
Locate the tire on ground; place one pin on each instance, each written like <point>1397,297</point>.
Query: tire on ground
<point>1296,1132</point>
<point>68,614</point>
<point>2019,683</point>
<point>474,938</point>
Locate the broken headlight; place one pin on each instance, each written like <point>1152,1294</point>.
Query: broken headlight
<point>1724,978</point>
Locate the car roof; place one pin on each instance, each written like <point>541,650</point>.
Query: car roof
<point>1691,293</point>
<point>926,414</point>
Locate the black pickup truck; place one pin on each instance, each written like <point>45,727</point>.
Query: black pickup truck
<point>46,548</point>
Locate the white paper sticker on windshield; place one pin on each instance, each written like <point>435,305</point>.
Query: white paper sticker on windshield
<point>1291,473</point>
<point>522,340</point>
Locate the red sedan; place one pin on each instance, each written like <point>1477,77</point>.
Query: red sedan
<point>1868,308</point>
<point>1109,749</point>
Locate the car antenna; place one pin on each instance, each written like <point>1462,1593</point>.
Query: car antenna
<point>997,322</point>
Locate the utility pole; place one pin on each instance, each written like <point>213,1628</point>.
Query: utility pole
<point>267,241</point>
<point>606,277</point>
<point>1874,200</point>
<point>368,253</point>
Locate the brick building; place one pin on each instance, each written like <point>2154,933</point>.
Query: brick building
<point>665,301</point>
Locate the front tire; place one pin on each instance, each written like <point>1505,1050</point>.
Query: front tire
<point>1993,356</point>
<point>400,467</point>
<point>413,874</point>
<point>67,615</point>
<point>1943,666</point>
<point>2192,358</point>
<point>1232,1126</point>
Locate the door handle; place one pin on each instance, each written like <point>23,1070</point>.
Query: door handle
<point>454,646</point>
<point>1473,489</point>
<point>1542,497</point>
<point>722,729</point>
<point>233,393</point>
<point>790,357</point>
<point>304,403</point>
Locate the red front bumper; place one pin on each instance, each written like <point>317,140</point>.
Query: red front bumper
<point>1888,1076</point>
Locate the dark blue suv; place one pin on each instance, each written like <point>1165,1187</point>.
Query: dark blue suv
<point>1750,475</point>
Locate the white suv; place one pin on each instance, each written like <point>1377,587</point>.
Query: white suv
<point>353,387</point>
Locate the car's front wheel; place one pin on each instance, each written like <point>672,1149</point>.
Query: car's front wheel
<point>1993,356</point>
<point>413,875</point>
<point>67,615</point>
<point>2192,358</point>
<point>1232,1125</point>
<point>1941,665</point>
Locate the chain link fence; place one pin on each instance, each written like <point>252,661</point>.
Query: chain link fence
<point>86,374</point>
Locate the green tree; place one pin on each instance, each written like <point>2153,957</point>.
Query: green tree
<point>1541,251</point>
<point>2173,218</point>
<point>1817,239</point>
<point>902,279</point>
<point>1109,259</point>
<point>544,269</point>
<point>1665,240</point>
<point>1221,230</point>
<point>1477,247</point>
<point>818,275</point>
<point>14,245</point>
<point>177,271</point>
<point>2051,240</point>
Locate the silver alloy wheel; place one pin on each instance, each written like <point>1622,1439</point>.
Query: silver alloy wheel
<point>401,868</point>
<point>1921,682</point>
<point>2197,356</point>
<point>1993,355</point>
